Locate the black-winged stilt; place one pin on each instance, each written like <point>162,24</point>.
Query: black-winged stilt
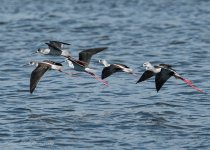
<point>55,48</point>
<point>41,68</point>
<point>109,69</point>
<point>162,73</point>
<point>83,63</point>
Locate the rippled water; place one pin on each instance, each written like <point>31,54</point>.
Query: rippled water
<point>80,113</point>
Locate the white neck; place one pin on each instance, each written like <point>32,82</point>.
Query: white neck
<point>65,53</point>
<point>71,65</point>
<point>45,51</point>
<point>104,62</point>
<point>35,63</point>
<point>150,67</point>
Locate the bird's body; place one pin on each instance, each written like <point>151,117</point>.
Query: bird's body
<point>78,65</point>
<point>55,48</point>
<point>39,71</point>
<point>109,69</point>
<point>162,73</point>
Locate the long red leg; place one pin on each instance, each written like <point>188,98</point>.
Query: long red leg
<point>97,78</point>
<point>65,72</point>
<point>188,82</point>
<point>134,74</point>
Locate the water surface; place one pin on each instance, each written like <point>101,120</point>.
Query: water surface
<point>79,112</point>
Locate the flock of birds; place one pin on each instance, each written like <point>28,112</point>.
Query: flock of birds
<point>162,72</point>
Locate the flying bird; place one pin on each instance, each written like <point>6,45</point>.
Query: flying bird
<point>55,48</point>
<point>109,69</point>
<point>82,64</point>
<point>39,71</point>
<point>162,73</point>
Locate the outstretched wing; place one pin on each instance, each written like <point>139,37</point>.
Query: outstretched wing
<point>59,44</point>
<point>86,55</point>
<point>37,74</point>
<point>107,71</point>
<point>162,77</point>
<point>146,75</point>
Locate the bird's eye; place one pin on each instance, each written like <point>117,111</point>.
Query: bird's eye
<point>145,64</point>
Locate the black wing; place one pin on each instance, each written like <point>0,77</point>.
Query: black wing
<point>37,74</point>
<point>59,44</point>
<point>107,71</point>
<point>162,77</point>
<point>146,75</point>
<point>86,55</point>
<point>54,50</point>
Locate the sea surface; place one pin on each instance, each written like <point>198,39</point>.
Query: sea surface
<point>78,112</point>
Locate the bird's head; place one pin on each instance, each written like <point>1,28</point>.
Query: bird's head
<point>101,61</point>
<point>30,63</point>
<point>148,65</point>
<point>43,50</point>
<point>40,50</point>
<point>104,62</point>
<point>33,63</point>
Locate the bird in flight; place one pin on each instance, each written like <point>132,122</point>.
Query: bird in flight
<point>82,64</point>
<point>39,71</point>
<point>109,69</point>
<point>162,73</point>
<point>55,48</point>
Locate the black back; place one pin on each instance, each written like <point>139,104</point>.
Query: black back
<point>165,65</point>
<point>59,44</point>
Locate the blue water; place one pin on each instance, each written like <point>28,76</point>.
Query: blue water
<point>78,112</point>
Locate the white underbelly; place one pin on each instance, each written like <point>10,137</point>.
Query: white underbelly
<point>71,65</point>
<point>55,67</point>
<point>75,66</point>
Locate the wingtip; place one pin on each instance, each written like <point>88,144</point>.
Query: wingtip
<point>157,90</point>
<point>139,81</point>
<point>31,91</point>
<point>102,77</point>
